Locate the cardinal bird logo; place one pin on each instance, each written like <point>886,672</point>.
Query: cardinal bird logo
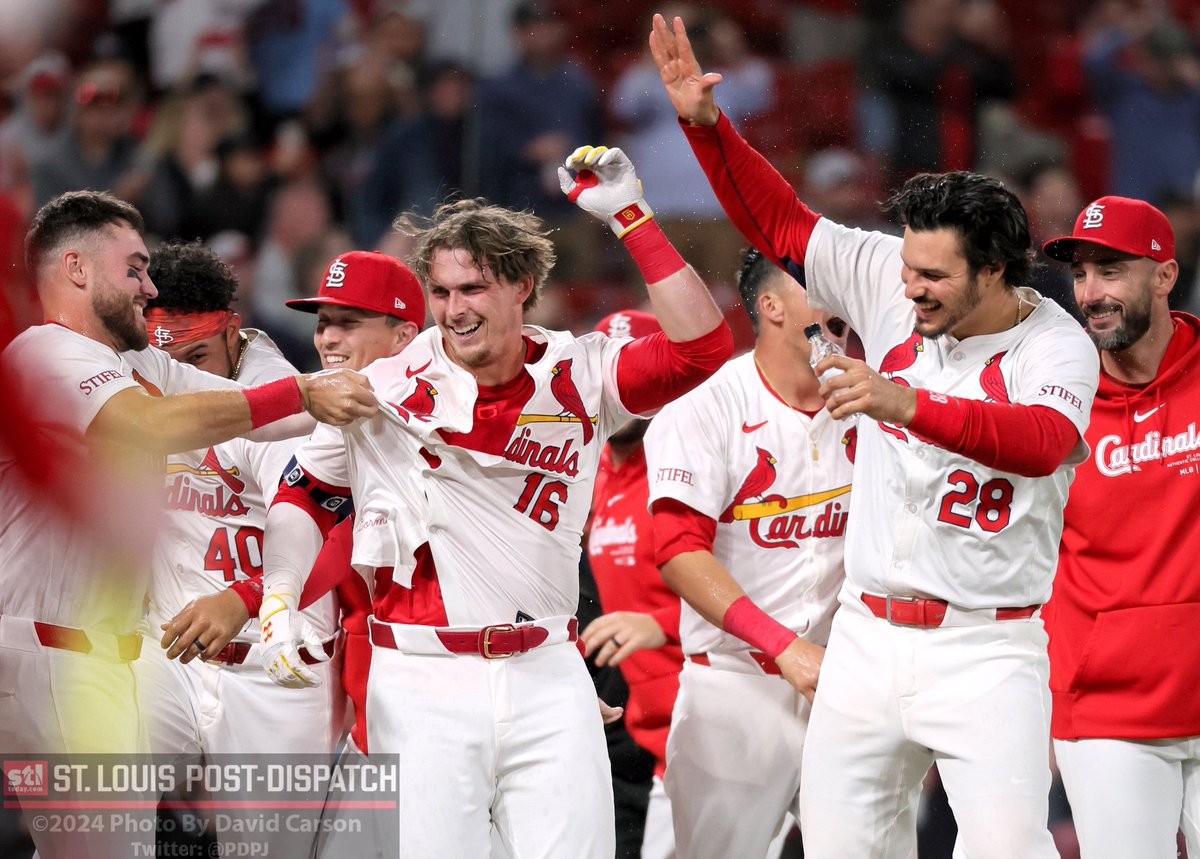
<point>564,390</point>
<point>418,404</point>
<point>236,484</point>
<point>992,381</point>
<point>757,482</point>
<point>850,440</point>
<point>903,356</point>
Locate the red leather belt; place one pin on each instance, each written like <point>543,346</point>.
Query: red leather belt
<point>766,663</point>
<point>235,653</point>
<point>928,613</point>
<point>129,647</point>
<point>491,642</point>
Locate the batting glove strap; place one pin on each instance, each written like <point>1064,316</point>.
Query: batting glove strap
<point>602,182</point>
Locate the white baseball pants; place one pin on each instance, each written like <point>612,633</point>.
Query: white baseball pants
<point>733,760</point>
<point>513,743</point>
<point>892,700</point>
<point>1131,797</point>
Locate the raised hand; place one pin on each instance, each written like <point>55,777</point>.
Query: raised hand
<point>602,182</point>
<point>688,87</point>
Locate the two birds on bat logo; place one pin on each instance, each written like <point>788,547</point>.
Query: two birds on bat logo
<point>419,405</point>
<point>903,355</point>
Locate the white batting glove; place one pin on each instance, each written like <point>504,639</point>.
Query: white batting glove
<point>284,632</point>
<point>605,185</point>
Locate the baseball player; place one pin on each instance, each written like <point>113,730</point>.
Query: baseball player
<point>1124,654</point>
<point>471,491</point>
<point>937,652</point>
<point>210,550</point>
<point>67,620</point>
<point>639,630</point>
<point>749,522</point>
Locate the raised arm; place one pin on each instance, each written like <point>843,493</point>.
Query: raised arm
<point>756,198</point>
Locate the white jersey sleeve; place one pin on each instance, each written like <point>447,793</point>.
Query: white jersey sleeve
<point>686,452</point>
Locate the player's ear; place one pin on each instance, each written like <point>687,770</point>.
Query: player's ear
<point>233,330</point>
<point>770,307</point>
<point>74,264</point>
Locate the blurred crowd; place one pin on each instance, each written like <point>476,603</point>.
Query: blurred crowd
<point>284,132</point>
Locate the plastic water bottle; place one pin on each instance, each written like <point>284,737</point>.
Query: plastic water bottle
<point>822,347</point>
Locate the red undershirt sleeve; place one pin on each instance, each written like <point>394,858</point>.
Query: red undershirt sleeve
<point>1032,441</point>
<point>678,529</point>
<point>332,564</point>
<point>760,202</point>
<point>652,371</point>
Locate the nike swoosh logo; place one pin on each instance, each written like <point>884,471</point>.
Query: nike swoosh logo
<point>410,372</point>
<point>615,499</point>
<point>1138,417</point>
<point>753,427</point>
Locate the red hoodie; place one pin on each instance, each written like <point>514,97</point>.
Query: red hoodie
<point>1124,621</point>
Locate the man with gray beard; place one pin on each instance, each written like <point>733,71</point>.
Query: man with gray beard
<point>1124,654</point>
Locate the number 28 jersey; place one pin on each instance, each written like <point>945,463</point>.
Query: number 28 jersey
<point>929,522</point>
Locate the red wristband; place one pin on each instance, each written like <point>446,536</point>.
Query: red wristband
<point>274,400</point>
<point>251,593</point>
<point>757,628</point>
<point>653,252</point>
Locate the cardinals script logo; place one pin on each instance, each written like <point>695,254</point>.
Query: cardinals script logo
<point>184,494</point>
<point>774,523</point>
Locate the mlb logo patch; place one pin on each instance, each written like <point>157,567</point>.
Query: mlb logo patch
<point>25,778</point>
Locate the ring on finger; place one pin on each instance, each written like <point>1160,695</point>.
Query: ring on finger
<point>199,645</point>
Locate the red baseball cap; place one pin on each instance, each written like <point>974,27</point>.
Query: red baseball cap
<point>369,280</point>
<point>1129,226</point>
<point>628,323</point>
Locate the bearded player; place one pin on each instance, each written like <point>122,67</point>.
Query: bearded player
<point>937,651</point>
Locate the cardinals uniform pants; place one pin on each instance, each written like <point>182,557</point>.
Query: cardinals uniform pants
<point>1131,797</point>
<point>60,702</point>
<point>972,695</point>
<point>513,743</point>
<point>207,708</point>
<point>733,758</point>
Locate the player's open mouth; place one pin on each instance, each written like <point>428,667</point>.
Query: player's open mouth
<point>927,308</point>
<point>1102,312</point>
<point>466,332</point>
<point>333,360</point>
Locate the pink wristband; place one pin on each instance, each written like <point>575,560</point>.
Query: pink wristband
<point>274,400</point>
<point>653,252</point>
<point>757,628</point>
<point>250,592</point>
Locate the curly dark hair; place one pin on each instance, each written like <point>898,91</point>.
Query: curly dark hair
<point>72,215</point>
<point>988,217</point>
<point>753,272</point>
<point>515,245</point>
<point>191,278</point>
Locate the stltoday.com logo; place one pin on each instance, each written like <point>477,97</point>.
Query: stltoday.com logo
<point>25,778</point>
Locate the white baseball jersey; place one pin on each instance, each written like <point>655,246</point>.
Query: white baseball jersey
<point>928,522</point>
<point>504,530</point>
<point>216,501</point>
<point>778,484</point>
<point>49,565</point>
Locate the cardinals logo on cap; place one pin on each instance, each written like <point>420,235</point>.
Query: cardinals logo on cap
<point>1093,217</point>
<point>336,275</point>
